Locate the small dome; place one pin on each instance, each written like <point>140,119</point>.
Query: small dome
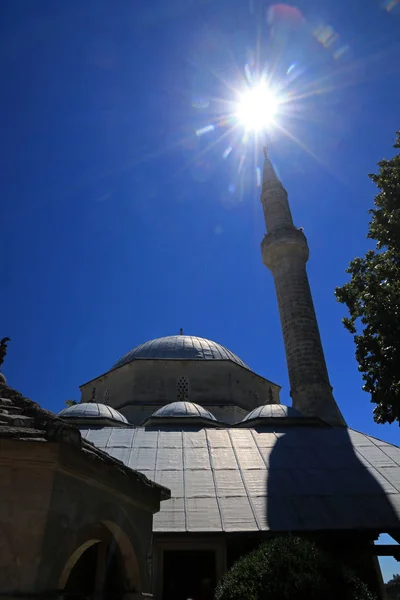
<point>183,409</point>
<point>181,347</point>
<point>92,411</point>
<point>273,411</point>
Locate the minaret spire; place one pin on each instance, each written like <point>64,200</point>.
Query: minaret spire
<point>285,252</point>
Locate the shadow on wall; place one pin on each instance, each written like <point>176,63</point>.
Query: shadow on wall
<point>320,484</point>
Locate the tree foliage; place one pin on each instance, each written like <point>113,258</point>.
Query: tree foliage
<point>70,402</point>
<point>372,297</point>
<point>290,568</point>
<point>392,588</point>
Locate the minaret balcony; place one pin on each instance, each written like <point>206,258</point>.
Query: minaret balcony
<point>284,244</point>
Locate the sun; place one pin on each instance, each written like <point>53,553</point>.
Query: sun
<point>257,108</point>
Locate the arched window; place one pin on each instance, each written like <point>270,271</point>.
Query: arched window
<point>182,389</point>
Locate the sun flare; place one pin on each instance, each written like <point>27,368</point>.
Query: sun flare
<point>257,108</point>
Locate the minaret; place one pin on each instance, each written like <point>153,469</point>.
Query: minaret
<point>285,252</point>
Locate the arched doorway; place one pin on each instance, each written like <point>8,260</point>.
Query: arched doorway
<point>96,571</point>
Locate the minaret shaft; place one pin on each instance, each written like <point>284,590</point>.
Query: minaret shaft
<point>285,252</point>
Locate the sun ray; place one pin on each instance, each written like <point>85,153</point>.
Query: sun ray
<point>211,145</point>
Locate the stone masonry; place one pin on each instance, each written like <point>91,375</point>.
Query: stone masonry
<point>285,252</point>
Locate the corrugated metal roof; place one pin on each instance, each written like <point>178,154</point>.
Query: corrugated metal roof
<point>184,347</point>
<point>266,478</point>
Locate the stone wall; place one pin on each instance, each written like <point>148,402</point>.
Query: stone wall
<point>150,383</point>
<point>26,483</point>
<point>54,500</point>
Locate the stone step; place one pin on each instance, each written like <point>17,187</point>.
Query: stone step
<point>16,420</point>
<point>10,409</point>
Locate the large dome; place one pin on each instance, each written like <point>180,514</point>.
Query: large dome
<point>184,347</point>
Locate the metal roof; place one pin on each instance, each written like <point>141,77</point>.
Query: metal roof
<point>91,410</point>
<point>268,411</point>
<point>184,409</point>
<point>184,347</point>
<point>266,478</point>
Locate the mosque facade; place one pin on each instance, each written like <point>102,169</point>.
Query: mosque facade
<point>229,464</point>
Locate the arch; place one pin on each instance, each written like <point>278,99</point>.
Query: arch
<point>128,555</point>
<point>73,559</point>
<point>110,535</point>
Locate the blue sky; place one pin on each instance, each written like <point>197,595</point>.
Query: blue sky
<point>121,224</point>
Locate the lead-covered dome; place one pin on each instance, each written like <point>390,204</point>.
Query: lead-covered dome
<point>183,347</point>
<point>95,412</point>
<point>183,409</point>
<point>273,411</point>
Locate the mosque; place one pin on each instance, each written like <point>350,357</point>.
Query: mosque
<point>182,429</point>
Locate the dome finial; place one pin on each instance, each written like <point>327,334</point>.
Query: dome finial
<point>181,331</point>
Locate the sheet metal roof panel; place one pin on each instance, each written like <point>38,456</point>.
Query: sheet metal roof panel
<point>99,436</point>
<point>170,439</point>
<point>146,438</point>
<point>196,458</point>
<point>302,482</point>
<point>195,439</point>
<point>142,459</point>
<point>392,452</point>
<point>173,480</point>
<point>169,458</point>
<point>172,517</point>
<point>249,458</point>
<point>203,512</point>
<point>218,438</point>
<point>256,481</point>
<point>229,483</point>
<point>199,484</point>
<point>391,474</point>
<point>264,439</point>
<point>376,456</point>
<point>242,438</point>
<point>223,458</point>
<point>121,454</point>
<point>238,514</point>
<point>121,438</point>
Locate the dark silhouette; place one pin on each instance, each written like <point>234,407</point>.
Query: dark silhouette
<point>318,486</point>
<point>3,349</point>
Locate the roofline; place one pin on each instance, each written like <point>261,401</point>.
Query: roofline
<point>202,403</point>
<point>298,421</point>
<point>184,420</point>
<point>201,360</point>
<point>96,421</point>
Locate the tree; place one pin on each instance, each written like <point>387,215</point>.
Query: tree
<point>392,588</point>
<point>70,402</point>
<point>290,568</point>
<point>3,348</point>
<point>372,297</point>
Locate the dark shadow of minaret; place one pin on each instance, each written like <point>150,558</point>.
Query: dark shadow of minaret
<point>330,484</point>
